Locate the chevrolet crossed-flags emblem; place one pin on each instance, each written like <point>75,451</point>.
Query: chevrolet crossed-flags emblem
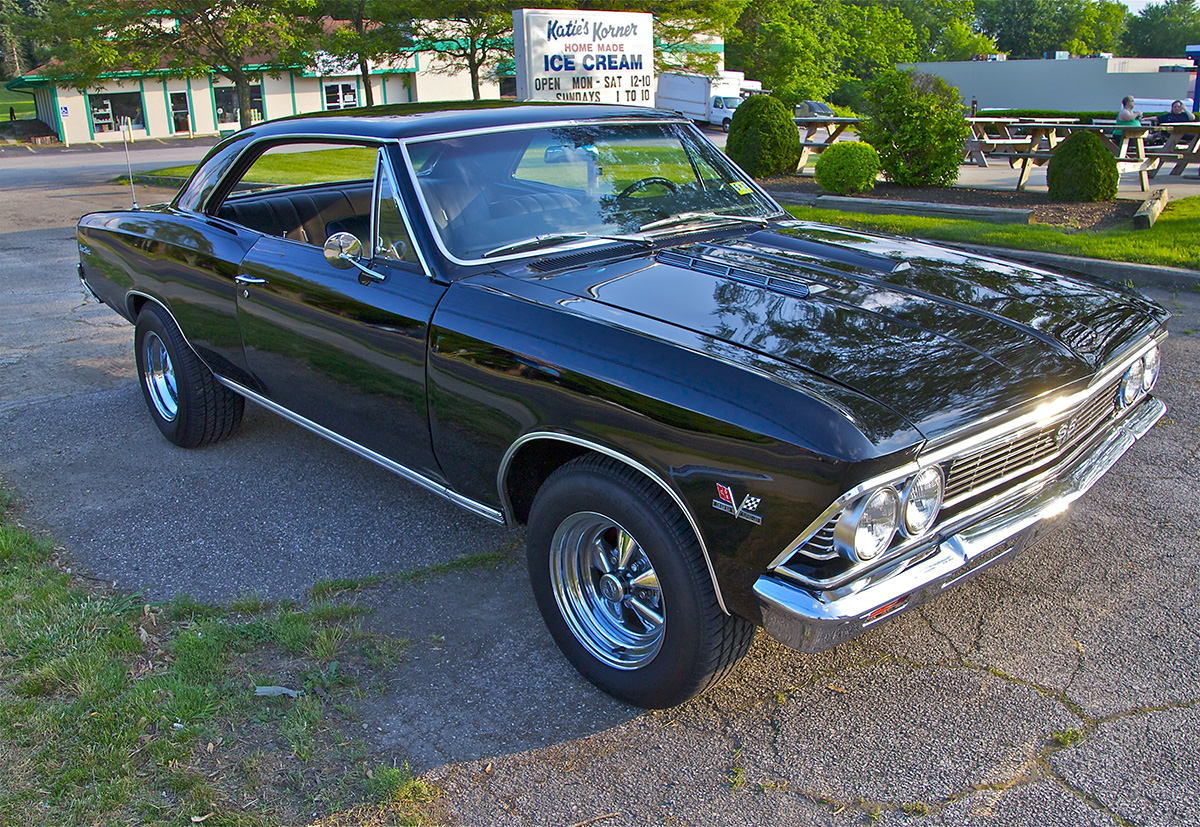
<point>745,511</point>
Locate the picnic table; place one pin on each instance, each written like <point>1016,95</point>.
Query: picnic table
<point>990,135</point>
<point>810,143</point>
<point>1128,147</point>
<point>1182,147</point>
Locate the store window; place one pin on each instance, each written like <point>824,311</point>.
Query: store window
<point>109,110</point>
<point>341,95</point>
<point>228,111</point>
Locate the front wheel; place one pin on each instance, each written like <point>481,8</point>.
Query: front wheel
<point>185,400</point>
<point>624,589</point>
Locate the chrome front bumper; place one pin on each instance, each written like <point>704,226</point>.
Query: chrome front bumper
<point>813,621</point>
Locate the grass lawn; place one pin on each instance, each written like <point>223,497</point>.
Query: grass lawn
<point>118,711</point>
<point>17,100</point>
<point>1173,241</point>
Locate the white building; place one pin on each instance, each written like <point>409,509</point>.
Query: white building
<point>160,106</point>
<point>1076,84</point>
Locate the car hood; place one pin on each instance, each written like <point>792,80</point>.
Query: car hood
<point>943,338</point>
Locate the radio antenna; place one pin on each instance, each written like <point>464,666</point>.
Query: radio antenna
<point>127,124</point>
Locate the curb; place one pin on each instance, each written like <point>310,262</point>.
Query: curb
<point>1140,275</point>
<point>883,206</point>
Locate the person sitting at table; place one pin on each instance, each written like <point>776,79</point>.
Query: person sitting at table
<point>1128,116</point>
<point>1177,115</point>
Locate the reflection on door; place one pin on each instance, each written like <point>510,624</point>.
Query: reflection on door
<point>180,115</point>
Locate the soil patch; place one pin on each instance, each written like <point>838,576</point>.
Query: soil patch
<point>1101,215</point>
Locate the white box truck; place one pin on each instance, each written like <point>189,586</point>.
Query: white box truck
<point>701,98</point>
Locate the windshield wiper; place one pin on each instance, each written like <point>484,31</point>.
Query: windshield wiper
<point>692,217</point>
<point>554,239</point>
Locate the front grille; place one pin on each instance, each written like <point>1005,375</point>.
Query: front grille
<point>989,469</point>
<point>982,470</point>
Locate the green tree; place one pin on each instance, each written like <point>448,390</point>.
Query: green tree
<point>470,36</point>
<point>915,122</point>
<point>1163,29</point>
<point>366,31</point>
<point>234,38</point>
<point>960,42</point>
<point>790,47</point>
<point>1031,28</point>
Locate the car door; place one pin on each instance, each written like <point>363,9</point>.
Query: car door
<point>339,348</point>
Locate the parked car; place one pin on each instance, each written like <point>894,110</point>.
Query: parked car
<point>586,319</point>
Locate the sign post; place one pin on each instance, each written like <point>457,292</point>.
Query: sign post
<point>585,56</point>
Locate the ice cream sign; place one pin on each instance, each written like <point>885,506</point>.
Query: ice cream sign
<point>585,56</point>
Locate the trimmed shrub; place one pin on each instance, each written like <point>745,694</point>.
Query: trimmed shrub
<point>848,167</point>
<point>1082,169</point>
<point>762,138</point>
<point>915,122</point>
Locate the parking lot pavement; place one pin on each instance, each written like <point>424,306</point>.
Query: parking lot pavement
<point>1057,689</point>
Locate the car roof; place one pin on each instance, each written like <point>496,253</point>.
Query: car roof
<point>409,120</point>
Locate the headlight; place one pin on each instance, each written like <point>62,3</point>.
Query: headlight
<point>1150,366</point>
<point>923,501</point>
<point>867,530</point>
<point>1131,383</point>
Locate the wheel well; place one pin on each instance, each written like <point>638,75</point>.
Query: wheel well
<point>530,466</point>
<point>135,303</point>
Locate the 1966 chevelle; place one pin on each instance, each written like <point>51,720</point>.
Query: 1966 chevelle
<point>586,319</point>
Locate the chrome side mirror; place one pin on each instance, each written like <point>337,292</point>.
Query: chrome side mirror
<point>343,251</point>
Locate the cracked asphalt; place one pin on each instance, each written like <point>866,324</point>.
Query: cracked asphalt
<point>1056,689</point>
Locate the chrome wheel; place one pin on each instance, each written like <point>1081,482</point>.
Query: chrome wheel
<point>607,590</point>
<point>160,377</point>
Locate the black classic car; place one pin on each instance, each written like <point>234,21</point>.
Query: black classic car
<point>710,416</point>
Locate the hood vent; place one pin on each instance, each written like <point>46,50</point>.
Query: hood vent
<point>825,253</point>
<point>779,284</point>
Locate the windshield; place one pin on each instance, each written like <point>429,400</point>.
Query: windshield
<point>515,192</point>
<point>732,103</point>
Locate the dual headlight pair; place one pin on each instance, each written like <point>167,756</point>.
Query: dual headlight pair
<point>866,529</point>
<point>1140,379</point>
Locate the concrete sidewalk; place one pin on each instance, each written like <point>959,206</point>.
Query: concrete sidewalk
<point>999,176</point>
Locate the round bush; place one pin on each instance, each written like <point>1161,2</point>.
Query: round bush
<point>1082,169</point>
<point>915,122</point>
<point>848,167</point>
<point>762,138</point>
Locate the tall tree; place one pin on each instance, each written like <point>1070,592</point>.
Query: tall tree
<point>789,46</point>
<point>1163,29</point>
<point>470,36</point>
<point>681,28</point>
<point>234,38</point>
<point>364,32</point>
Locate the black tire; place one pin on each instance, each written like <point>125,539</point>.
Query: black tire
<point>725,125</point>
<point>186,402</point>
<point>593,505</point>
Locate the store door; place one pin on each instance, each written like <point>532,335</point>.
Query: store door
<point>180,115</point>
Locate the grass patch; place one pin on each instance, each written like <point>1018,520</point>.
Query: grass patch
<point>1170,242</point>
<point>115,711</point>
<point>20,102</point>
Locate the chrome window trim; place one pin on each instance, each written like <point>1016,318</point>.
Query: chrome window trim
<point>379,459</point>
<point>383,165</point>
<point>582,243</point>
<point>1049,413</point>
<point>317,137</point>
<point>506,505</point>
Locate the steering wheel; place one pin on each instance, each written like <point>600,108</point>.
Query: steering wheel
<point>638,186</point>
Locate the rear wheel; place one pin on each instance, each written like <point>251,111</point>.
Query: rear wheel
<point>624,589</point>
<point>185,400</point>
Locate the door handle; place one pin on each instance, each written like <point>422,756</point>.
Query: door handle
<point>244,279</point>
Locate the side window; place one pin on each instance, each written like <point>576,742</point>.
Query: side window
<point>392,241</point>
<point>305,191</point>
